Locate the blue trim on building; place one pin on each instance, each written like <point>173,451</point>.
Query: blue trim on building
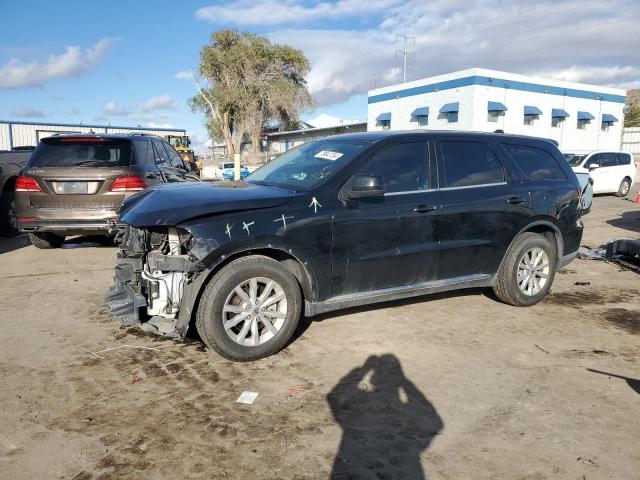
<point>86,125</point>
<point>420,112</point>
<point>607,117</point>
<point>384,117</point>
<point>532,110</point>
<point>450,107</point>
<point>498,83</point>
<point>496,107</point>
<point>559,113</point>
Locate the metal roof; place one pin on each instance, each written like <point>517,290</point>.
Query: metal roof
<point>88,125</point>
<point>346,126</point>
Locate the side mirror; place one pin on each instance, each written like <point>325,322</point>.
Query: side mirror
<point>363,186</point>
<point>593,166</point>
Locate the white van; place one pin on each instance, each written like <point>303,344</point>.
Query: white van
<point>612,172</point>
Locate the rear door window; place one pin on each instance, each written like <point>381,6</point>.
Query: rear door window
<point>470,164</point>
<point>162,159</point>
<point>604,159</point>
<point>81,152</point>
<point>403,167</point>
<point>536,163</point>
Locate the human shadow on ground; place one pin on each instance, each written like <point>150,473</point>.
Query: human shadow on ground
<point>634,383</point>
<point>386,422</point>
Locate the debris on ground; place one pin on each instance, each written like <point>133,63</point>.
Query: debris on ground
<point>97,354</point>
<point>134,378</point>
<point>582,284</point>
<point>300,389</point>
<point>247,397</point>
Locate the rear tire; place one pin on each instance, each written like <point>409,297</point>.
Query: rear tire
<point>625,186</point>
<point>220,304</point>
<point>521,269</point>
<point>46,240</point>
<point>8,224</point>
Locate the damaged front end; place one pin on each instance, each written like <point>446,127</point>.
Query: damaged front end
<point>153,269</point>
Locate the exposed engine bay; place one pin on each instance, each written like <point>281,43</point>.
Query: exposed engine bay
<point>153,267</point>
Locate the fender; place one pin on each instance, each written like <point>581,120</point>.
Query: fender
<point>538,223</point>
<point>227,253</point>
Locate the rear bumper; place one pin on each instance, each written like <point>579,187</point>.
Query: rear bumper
<point>567,259</point>
<point>66,227</point>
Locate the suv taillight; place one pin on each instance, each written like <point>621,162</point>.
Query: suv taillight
<point>132,183</point>
<point>27,184</point>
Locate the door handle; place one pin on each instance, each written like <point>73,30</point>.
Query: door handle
<point>515,200</point>
<point>425,208</point>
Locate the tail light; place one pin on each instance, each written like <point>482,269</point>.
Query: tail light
<point>132,183</point>
<point>27,184</point>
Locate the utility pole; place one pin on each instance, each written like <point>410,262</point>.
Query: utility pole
<point>407,42</point>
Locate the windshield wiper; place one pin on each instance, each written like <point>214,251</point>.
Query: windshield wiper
<point>89,162</point>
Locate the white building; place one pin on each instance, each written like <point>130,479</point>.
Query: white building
<point>28,134</point>
<point>576,115</point>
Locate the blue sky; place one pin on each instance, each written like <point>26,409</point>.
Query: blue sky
<point>117,61</point>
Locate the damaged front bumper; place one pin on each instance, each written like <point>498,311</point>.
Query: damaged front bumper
<point>150,277</point>
<point>125,298</point>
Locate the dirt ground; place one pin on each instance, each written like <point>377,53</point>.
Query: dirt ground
<point>452,386</point>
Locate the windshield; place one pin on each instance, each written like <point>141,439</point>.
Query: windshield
<point>574,159</point>
<point>306,166</point>
<point>82,152</point>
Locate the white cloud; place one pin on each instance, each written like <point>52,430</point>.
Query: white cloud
<point>277,12</point>
<point>74,62</point>
<point>200,142</point>
<point>161,102</point>
<point>114,110</point>
<point>600,75</point>
<point>184,75</point>
<point>587,41</point>
<point>27,112</point>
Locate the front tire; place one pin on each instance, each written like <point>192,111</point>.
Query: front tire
<point>527,271</point>
<point>46,240</point>
<point>250,309</point>
<point>625,186</point>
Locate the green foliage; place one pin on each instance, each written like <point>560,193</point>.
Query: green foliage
<point>250,82</point>
<point>632,119</point>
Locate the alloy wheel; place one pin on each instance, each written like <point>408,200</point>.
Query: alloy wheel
<point>533,271</point>
<point>624,188</point>
<point>254,311</point>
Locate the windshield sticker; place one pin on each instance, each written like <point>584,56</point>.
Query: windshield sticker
<point>328,155</point>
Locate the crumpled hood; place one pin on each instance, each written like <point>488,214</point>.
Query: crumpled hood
<point>171,204</point>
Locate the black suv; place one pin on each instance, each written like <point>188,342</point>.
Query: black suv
<point>344,221</point>
<point>74,183</point>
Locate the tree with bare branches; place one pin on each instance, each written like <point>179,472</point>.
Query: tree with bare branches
<point>249,82</point>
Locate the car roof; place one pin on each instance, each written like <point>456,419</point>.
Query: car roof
<point>376,136</point>
<point>578,151</point>
<point>123,136</point>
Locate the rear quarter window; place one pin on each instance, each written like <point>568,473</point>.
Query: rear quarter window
<point>144,153</point>
<point>624,159</point>
<point>536,163</point>
<point>70,152</point>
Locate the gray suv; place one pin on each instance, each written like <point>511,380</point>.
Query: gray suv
<point>74,184</point>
